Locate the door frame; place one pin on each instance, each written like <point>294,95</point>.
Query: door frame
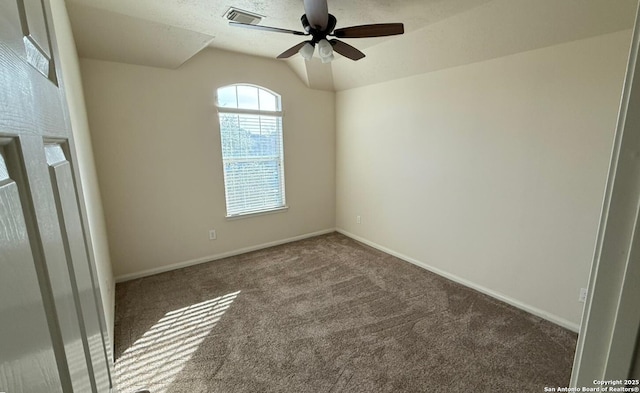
<point>611,318</point>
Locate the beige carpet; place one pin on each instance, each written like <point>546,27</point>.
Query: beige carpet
<point>327,314</point>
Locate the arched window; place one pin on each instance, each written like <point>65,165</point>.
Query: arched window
<point>252,153</point>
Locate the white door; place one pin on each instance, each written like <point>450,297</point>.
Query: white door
<point>52,330</point>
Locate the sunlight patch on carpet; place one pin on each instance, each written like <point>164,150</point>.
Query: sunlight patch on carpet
<point>161,353</point>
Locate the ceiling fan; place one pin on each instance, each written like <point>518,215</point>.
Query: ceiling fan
<point>320,24</point>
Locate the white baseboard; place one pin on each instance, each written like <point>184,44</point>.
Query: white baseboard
<point>209,258</point>
<point>497,295</point>
<point>509,300</point>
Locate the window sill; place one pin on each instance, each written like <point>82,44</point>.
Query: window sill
<point>260,213</point>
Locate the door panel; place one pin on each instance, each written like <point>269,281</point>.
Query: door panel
<point>54,269</point>
<point>34,25</point>
<point>77,261</point>
<point>26,92</point>
<point>36,37</point>
<point>51,330</point>
<point>10,24</point>
<point>27,360</point>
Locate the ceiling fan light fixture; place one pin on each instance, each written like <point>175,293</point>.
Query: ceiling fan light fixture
<point>327,59</point>
<point>306,51</point>
<point>325,50</point>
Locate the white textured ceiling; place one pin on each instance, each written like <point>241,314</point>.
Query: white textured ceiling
<point>439,33</point>
<point>206,17</point>
<point>108,35</point>
<point>496,29</point>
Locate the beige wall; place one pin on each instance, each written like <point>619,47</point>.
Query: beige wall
<point>490,173</point>
<point>78,116</point>
<point>157,147</point>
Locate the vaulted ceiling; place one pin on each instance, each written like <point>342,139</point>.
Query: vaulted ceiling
<point>438,33</point>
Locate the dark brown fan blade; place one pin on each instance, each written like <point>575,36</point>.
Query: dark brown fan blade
<point>291,51</point>
<point>376,30</point>
<point>346,50</point>
<point>266,28</point>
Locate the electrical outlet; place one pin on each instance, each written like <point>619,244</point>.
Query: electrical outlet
<point>358,220</point>
<point>212,234</point>
<point>583,295</point>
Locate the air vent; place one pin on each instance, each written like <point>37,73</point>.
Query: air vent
<point>242,16</point>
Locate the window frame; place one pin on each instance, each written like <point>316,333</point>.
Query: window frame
<point>278,113</point>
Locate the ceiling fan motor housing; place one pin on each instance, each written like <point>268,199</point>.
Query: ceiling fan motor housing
<point>316,34</point>
<point>305,23</point>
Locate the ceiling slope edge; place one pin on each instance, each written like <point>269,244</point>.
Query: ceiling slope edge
<point>496,29</point>
<point>110,36</point>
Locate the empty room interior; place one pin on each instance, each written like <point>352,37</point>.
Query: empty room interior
<point>417,206</point>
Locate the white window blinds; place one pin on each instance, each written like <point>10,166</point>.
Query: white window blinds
<point>252,152</point>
